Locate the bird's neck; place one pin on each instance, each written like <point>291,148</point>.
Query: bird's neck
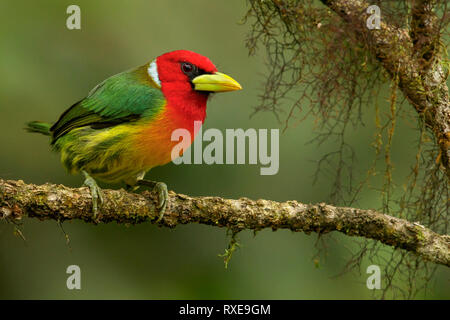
<point>185,107</point>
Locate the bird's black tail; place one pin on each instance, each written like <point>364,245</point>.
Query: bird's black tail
<point>39,127</point>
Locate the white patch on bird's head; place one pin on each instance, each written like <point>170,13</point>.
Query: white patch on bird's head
<point>153,73</point>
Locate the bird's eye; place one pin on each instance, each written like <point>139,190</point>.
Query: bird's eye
<point>187,68</point>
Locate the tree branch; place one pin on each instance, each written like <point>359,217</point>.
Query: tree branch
<point>425,88</point>
<point>424,32</point>
<point>60,203</point>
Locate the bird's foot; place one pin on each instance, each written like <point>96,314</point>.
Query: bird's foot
<point>96,192</point>
<point>163,194</point>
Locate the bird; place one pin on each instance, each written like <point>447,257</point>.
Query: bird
<point>122,128</point>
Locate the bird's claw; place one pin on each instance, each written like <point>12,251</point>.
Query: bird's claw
<point>163,195</point>
<point>96,193</point>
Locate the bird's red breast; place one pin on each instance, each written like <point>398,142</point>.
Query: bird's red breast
<point>154,141</point>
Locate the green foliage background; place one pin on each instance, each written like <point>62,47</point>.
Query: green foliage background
<point>45,67</point>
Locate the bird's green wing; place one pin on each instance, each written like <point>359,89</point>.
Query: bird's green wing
<point>124,97</point>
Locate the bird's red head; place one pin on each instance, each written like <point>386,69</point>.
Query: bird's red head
<point>186,79</point>
<point>182,66</point>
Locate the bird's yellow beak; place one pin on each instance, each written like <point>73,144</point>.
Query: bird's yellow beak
<point>217,82</point>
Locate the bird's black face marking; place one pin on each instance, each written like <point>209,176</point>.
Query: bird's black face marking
<point>192,71</point>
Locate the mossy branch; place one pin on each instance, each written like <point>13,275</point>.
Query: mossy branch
<point>424,30</point>
<point>57,202</point>
<point>421,72</point>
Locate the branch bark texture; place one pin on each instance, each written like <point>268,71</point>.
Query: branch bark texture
<point>57,202</point>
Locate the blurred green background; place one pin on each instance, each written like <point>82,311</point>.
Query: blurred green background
<point>45,67</point>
